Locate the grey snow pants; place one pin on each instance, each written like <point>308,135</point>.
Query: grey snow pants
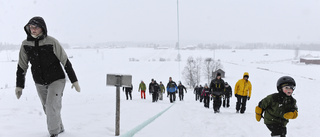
<point>51,98</point>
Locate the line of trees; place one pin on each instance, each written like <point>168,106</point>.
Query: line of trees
<point>198,67</point>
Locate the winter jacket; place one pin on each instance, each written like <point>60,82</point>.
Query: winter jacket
<point>217,86</point>
<point>275,106</point>
<point>156,88</point>
<point>151,87</point>
<point>162,88</point>
<point>228,91</point>
<point>142,86</point>
<point>243,87</point>
<point>171,86</point>
<point>128,89</point>
<point>199,90</point>
<point>45,55</point>
<point>206,92</point>
<point>180,88</point>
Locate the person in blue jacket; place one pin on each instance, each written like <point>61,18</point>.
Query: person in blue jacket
<point>172,89</point>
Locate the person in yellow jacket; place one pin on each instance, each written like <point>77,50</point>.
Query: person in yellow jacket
<point>242,91</point>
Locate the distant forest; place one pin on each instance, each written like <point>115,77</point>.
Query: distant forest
<point>302,46</point>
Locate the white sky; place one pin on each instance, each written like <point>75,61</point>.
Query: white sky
<point>95,21</point>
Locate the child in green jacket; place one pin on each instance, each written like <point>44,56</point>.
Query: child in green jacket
<point>279,107</point>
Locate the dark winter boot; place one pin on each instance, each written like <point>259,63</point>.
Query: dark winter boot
<point>54,135</point>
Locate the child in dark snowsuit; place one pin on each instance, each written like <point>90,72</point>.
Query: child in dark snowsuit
<point>279,107</point>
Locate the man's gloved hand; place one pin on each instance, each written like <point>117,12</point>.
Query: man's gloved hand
<point>258,113</point>
<point>248,98</point>
<point>18,92</point>
<point>76,86</point>
<point>291,115</point>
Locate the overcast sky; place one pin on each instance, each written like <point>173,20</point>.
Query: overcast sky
<point>96,21</point>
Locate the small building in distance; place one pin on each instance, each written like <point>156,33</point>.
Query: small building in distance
<point>310,60</point>
<point>214,74</point>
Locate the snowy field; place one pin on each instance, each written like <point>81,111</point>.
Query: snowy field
<point>91,113</point>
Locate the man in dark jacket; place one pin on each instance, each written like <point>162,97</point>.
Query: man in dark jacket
<point>217,88</point>
<point>200,93</point>
<point>46,57</point>
<point>180,89</point>
<point>156,90</point>
<point>153,89</point>
<point>128,91</point>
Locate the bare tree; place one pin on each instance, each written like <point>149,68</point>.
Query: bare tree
<point>189,72</point>
<point>208,68</point>
<point>198,70</point>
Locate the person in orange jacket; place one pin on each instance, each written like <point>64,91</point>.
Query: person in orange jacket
<point>242,91</point>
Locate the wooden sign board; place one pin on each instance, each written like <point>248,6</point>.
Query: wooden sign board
<point>119,80</point>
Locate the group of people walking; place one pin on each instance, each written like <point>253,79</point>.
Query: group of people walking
<point>48,59</point>
<point>220,92</point>
<point>157,90</point>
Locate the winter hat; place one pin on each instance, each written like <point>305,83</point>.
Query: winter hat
<point>218,74</point>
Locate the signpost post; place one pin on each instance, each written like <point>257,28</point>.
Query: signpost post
<point>118,80</point>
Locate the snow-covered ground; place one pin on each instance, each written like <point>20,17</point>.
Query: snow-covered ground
<point>91,113</point>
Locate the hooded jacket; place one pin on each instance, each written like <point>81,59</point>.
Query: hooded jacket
<point>243,87</point>
<point>45,55</point>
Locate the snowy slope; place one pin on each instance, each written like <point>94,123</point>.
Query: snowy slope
<point>92,112</point>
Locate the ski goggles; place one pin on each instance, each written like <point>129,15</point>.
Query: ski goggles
<point>289,87</point>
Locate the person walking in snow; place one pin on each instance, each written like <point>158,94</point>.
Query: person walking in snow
<point>142,87</point>
<point>162,91</point>
<point>128,91</point>
<point>180,89</point>
<point>227,95</point>
<point>242,91</point>
<point>172,89</point>
<point>279,107</point>
<point>152,90</point>
<point>200,93</point>
<point>206,95</point>
<point>47,58</point>
<point>156,90</point>
<point>217,88</point>
<point>195,92</point>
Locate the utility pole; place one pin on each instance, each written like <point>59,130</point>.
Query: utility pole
<point>179,56</point>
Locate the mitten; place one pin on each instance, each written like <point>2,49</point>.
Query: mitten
<point>248,98</point>
<point>18,92</point>
<point>258,113</point>
<point>291,115</point>
<point>76,86</point>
